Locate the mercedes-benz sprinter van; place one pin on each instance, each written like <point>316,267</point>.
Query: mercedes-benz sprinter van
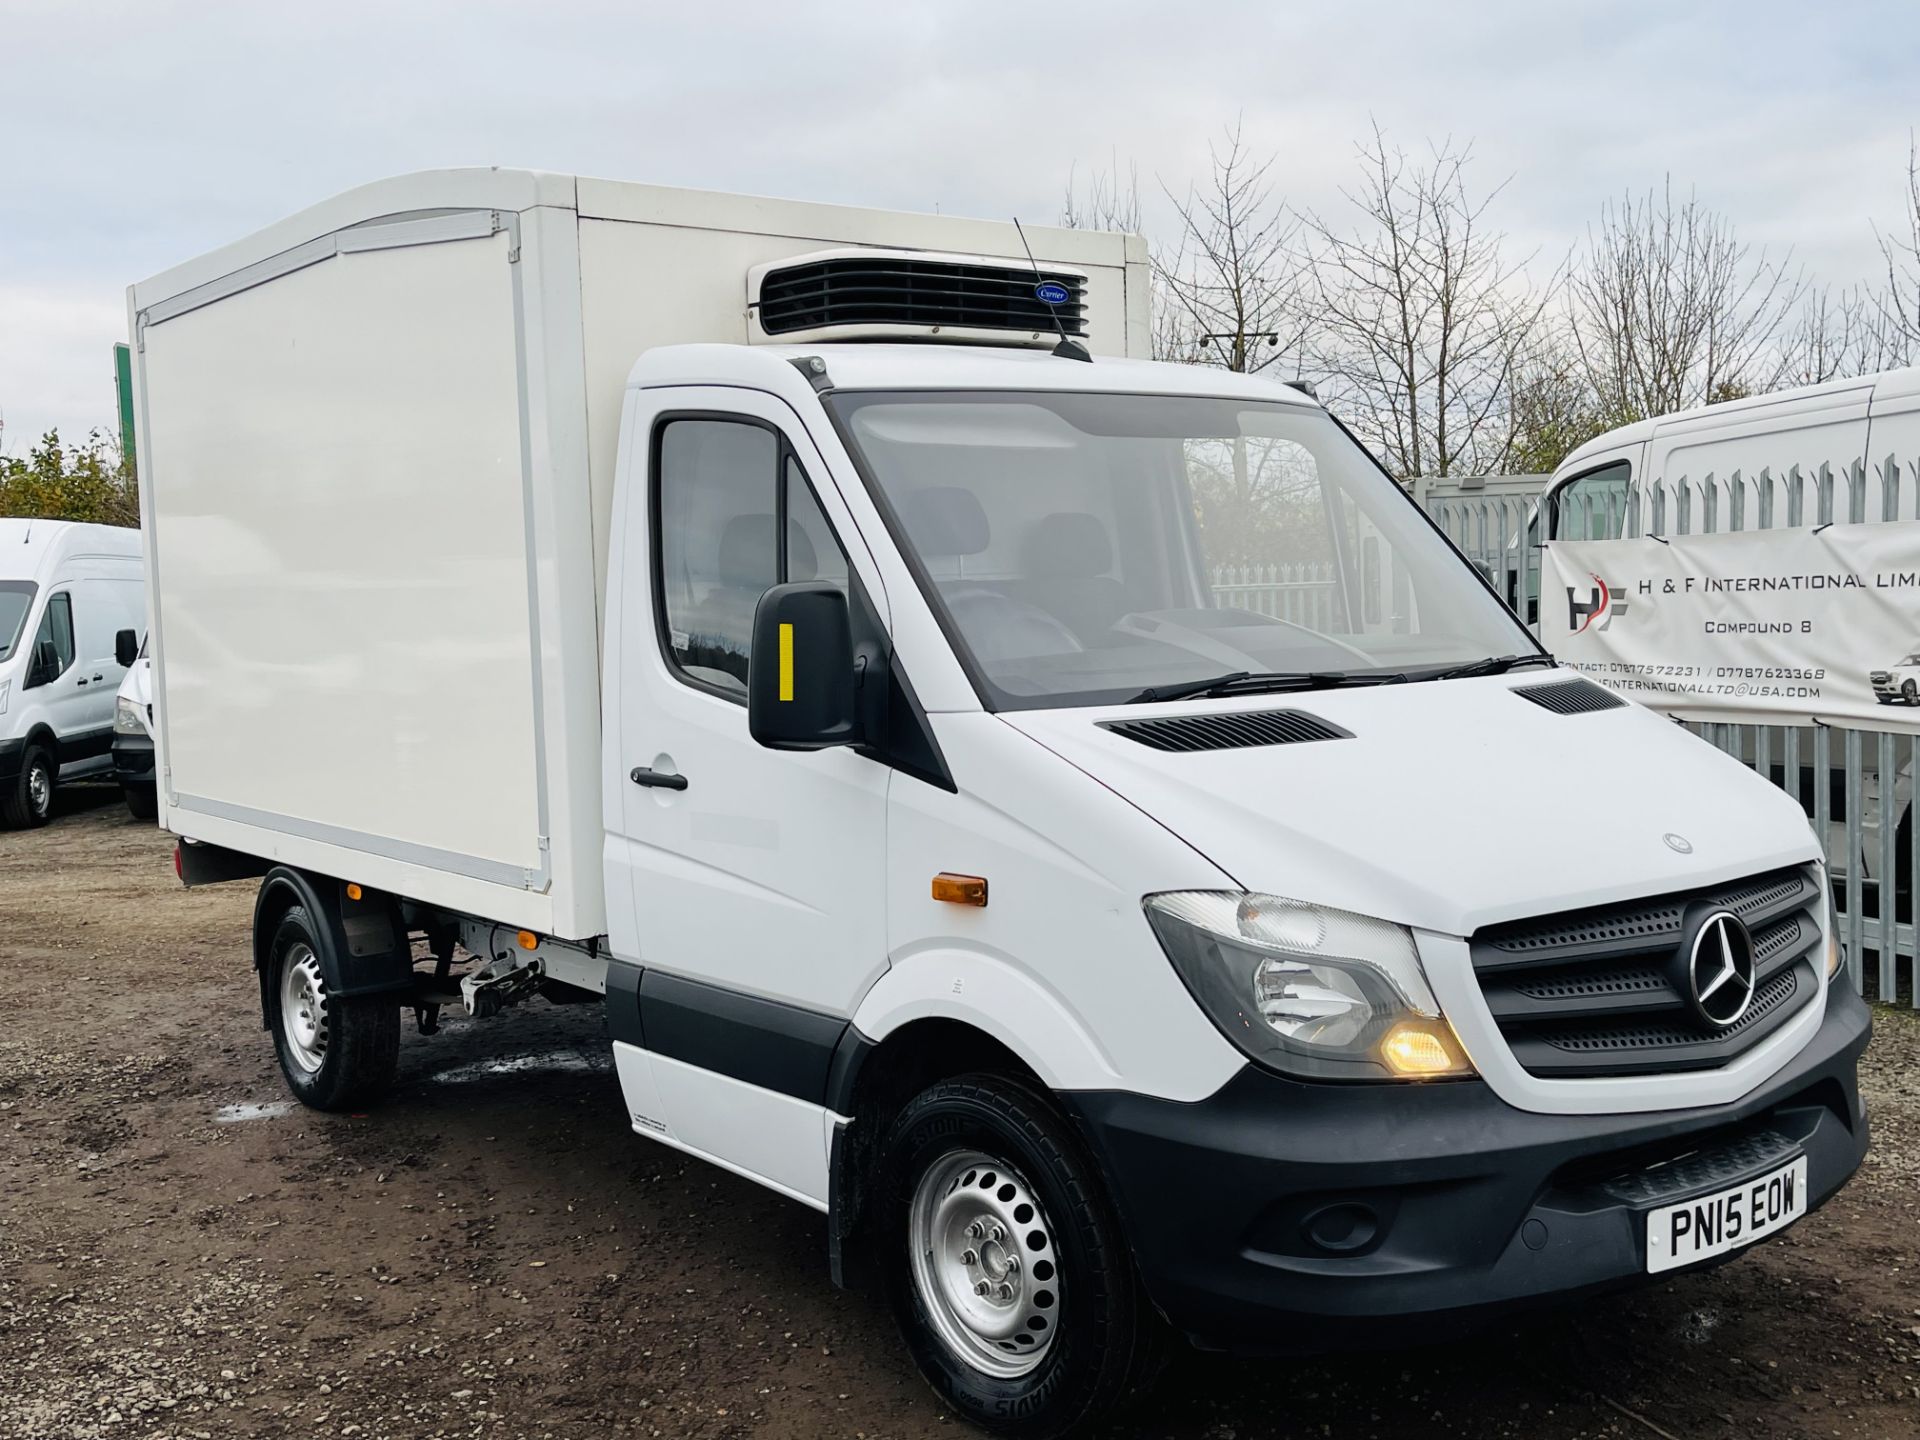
<point>818,634</point>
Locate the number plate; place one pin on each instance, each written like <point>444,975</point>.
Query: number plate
<point>1727,1219</point>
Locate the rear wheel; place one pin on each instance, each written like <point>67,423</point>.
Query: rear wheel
<point>28,802</point>
<point>1009,1276</point>
<point>335,1052</point>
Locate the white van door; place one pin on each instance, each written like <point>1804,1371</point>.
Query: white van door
<point>59,688</point>
<point>757,876</point>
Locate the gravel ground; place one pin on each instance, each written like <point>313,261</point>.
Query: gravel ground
<point>493,1253</point>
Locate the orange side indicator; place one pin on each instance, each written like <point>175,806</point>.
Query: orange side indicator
<point>960,889</point>
<point>527,940</point>
<point>353,891</point>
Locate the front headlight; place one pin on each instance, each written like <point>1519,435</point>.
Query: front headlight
<point>6,689</point>
<point>126,717</point>
<point>1309,990</point>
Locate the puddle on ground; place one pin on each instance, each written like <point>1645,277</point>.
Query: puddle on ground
<point>253,1110</point>
<point>520,1065</point>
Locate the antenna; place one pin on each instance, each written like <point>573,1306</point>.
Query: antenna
<point>1067,349</point>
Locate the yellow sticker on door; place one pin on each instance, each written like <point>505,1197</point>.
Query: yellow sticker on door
<point>786,662</point>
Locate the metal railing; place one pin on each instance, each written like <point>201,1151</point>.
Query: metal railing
<point>1855,785</point>
<point>1303,594</point>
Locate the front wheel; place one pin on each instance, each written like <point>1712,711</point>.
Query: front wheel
<point>335,1052</point>
<point>142,803</point>
<point>1009,1276</point>
<point>28,802</point>
<point>1910,692</point>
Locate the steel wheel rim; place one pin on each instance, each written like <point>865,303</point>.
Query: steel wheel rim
<point>303,1008</point>
<point>39,789</point>
<point>985,1267</point>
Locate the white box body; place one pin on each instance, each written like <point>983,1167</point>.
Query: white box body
<point>379,442</point>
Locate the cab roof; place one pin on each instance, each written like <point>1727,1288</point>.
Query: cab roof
<point>935,366</point>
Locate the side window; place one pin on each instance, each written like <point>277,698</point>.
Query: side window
<point>56,631</point>
<point>1593,507</point>
<point>733,517</point>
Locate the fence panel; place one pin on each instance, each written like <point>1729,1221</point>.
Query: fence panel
<point>1302,594</point>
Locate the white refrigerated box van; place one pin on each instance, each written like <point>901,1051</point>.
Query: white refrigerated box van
<point>805,628</point>
<point>66,590</point>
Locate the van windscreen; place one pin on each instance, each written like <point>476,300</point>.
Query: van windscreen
<point>16,599</point>
<point>1081,548</point>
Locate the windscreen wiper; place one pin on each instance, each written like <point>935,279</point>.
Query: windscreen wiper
<point>1494,665</point>
<point>1253,682</point>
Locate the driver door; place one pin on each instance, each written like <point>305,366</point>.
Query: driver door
<point>757,876</point>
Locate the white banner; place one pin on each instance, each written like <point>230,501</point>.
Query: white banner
<point>1759,626</point>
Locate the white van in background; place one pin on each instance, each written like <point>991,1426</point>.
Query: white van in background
<point>66,590</point>
<point>1839,424</point>
<point>133,727</point>
<point>1769,461</point>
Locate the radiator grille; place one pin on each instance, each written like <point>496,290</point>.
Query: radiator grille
<point>891,290</point>
<point>1605,991</point>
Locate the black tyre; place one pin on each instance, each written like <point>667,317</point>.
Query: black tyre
<point>1910,692</point>
<point>336,1053</point>
<point>142,802</point>
<point>1005,1263</point>
<point>28,802</point>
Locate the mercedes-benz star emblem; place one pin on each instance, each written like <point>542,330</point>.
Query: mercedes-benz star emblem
<point>1679,844</point>
<point>1720,969</point>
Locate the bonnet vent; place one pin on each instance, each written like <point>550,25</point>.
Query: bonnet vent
<point>1570,697</point>
<point>1227,732</point>
<point>888,292</point>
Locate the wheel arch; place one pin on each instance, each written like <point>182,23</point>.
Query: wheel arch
<point>361,943</point>
<point>929,1018</point>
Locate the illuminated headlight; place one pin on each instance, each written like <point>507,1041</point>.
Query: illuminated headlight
<point>1306,989</point>
<point>126,717</point>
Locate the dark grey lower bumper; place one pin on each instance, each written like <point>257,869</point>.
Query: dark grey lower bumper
<point>1279,1215</point>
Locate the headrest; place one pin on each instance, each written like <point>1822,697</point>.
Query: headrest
<point>1068,545</point>
<point>944,520</point>
<point>746,553</point>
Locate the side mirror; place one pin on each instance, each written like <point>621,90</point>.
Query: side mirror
<point>800,682</point>
<point>126,649</point>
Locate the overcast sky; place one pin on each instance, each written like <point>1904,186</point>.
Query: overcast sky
<point>135,135</point>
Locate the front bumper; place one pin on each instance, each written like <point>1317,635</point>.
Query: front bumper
<point>1284,1216</point>
<point>133,761</point>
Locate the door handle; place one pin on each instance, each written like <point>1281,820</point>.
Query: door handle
<point>81,682</point>
<point>641,775</point>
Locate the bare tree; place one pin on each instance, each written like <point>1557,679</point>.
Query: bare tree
<point>1231,284</point>
<point>1898,304</point>
<point>1551,409</point>
<point>1671,309</point>
<point>1106,204</point>
<point>1422,316</point>
<point>1833,337</point>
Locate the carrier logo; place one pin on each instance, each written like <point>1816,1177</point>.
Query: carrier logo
<point>1720,978</point>
<point>1596,612</point>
